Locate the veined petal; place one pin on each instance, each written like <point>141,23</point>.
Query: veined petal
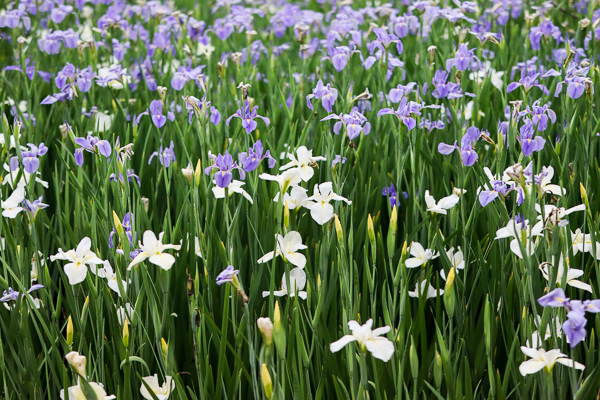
<point>381,348</point>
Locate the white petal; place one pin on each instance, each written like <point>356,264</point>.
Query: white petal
<point>381,348</point>
<point>322,213</point>
<point>531,367</point>
<point>267,257</point>
<point>76,274</point>
<point>413,262</point>
<point>164,260</point>
<point>297,259</point>
<point>337,346</point>
<point>138,259</point>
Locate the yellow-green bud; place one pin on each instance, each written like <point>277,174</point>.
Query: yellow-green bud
<point>70,331</point>
<point>286,215</point>
<point>118,224</point>
<point>449,296</point>
<point>266,381</point>
<point>165,347</point>
<point>126,333</point>
<point>338,229</point>
<point>583,192</point>
<point>198,172</point>
<point>370,229</point>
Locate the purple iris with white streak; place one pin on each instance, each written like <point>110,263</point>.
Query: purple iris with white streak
<point>529,142</point>
<point>527,82</point>
<point>130,176</point>
<point>540,115</point>
<point>165,156</point>
<point>225,165</point>
<point>405,110</point>
<point>184,75</point>
<point>326,94</point>
<point>444,89</point>
<point>467,153</point>
<point>29,158</point>
<point>385,39</point>
<point>576,80</point>
<point>399,92</point>
<point>247,116</point>
<point>574,326</point>
<point>228,275</point>
<point>462,59</point>
<point>91,144</point>
<point>499,187</point>
<point>35,206</point>
<point>393,195</point>
<point>156,113</point>
<point>13,295</point>
<point>354,123</point>
<point>251,160</point>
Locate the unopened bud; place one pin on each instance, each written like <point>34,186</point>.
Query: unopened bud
<point>266,328</point>
<point>77,361</point>
<point>198,172</point>
<point>277,316</point>
<point>118,224</point>
<point>338,229</point>
<point>165,347</point>
<point>431,50</point>
<point>437,370</point>
<point>145,201</point>
<point>188,172</point>
<point>126,333</point>
<point>414,360</point>
<point>162,92</point>
<point>449,296</point>
<point>583,192</point>
<point>266,381</point>
<point>286,215</point>
<point>70,331</point>
<point>370,229</point>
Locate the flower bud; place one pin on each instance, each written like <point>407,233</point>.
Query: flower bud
<point>286,215</point>
<point>126,333</point>
<point>277,316</point>
<point>338,229</point>
<point>370,229</point>
<point>437,370</point>
<point>198,172</point>
<point>84,309</point>
<point>145,201</point>
<point>165,347</point>
<point>449,296</point>
<point>266,381</point>
<point>188,172</point>
<point>77,361</point>
<point>583,192</point>
<point>414,360</point>
<point>118,224</point>
<point>266,328</point>
<point>70,331</point>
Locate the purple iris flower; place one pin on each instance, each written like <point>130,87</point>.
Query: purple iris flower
<point>467,153</point>
<point>215,116</point>
<point>385,39</point>
<point>59,13</point>
<point>251,160</point>
<point>165,156</point>
<point>184,75</point>
<point>392,194</point>
<point>225,166</point>
<point>29,158</point>
<point>540,115</point>
<point>398,93</point>
<point>574,326</point>
<point>29,68</point>
<point>326,94</point>
<point>14,295</point>
<point>404,111</point>
<point>529,142</point>
<point>247,116</point>
<point>545,30</point>
<point>156,113</point>
<point>462,59</point>
<point>354,123</point>
<point>500,188</point>
<point>528,82</point>
<point>35,206</point>
<point>92,144</point>
<point>227,275</point>
<point>130,176</point>
<point>444,89</point>
<point>127,224</point>
<point>338,159</point>
<point>575,87</point>
<point>405,24</point>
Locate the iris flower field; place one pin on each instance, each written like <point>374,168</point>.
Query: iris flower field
<point>299,199</point>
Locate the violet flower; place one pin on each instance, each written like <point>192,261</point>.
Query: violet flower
<point>247,116</point>
<point>29,158</point>
<point>326,94</point>
<point>462,59</point>
<point>130,176</point>
<point>467,153</point>
<point>353,123</point>
<point>13,295</point>
<point>165,156</point>
<point>528,82</point>
<point>574,326</point>
<point>529,142</point>
<point>405,110</point>
<point>228,275</point>
<point>91,144</point>
<point>34,207</point>
<point>225,166</point>
<point>156,113</point>
<point>251,160</point>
